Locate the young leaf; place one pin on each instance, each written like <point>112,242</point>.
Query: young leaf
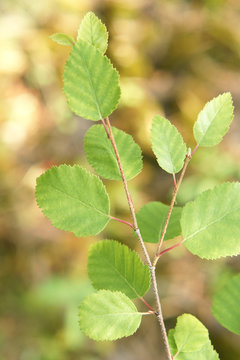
<point>210,223</point>
<point>214,120</point>
<point>151,220</point>
<point>114,266</point>
<point>93,31</point>
<point>62,39</point>
<point>90,82</point>
<point>226,307</point>
<point>108,315</point>
<point>168,145</point>
<point>205,353</point>
<point>101,156</point>
<point>73,199</point>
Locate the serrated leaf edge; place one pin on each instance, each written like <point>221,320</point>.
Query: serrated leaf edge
<point>139,260</point>
<point>87,172</point>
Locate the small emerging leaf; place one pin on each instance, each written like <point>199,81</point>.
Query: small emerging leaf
<point>108,315</point>
<point>114,266</point>
<point>93,31</point>
<point>210,223</point>
<point>62,39</point>
<point>151,220</point>
<point>168,145</point>
<point>91,84</point>
<point>214,120</point>
<point>73,199</point>
<point>101,156</point>
<point>190,340</point>
<point>226,305</point>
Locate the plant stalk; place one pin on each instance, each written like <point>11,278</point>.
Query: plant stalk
<point>188,158</point>
<point>137,231</point>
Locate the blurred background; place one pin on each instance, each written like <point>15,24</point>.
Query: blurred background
<point>173,56</point>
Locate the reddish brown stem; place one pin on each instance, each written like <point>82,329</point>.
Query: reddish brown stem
<point>150,308</point>
<point>188,158</point>
<point>122,221</point>
<point>170,248</point>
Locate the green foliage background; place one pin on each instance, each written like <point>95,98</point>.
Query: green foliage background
<point>173,56</point>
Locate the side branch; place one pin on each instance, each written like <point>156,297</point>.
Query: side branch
<point>188,158</point>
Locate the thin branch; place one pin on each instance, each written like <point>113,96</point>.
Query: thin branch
<point>174,181</point>
<point>137,231</point>
<point>159,313</point>
<point>188,158</point>
<point>196,147</point>
<point>130,202</point>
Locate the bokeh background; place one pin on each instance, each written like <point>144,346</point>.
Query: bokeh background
<point>173,56</point>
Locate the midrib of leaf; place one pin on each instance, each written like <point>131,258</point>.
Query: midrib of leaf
<point>91,84</point>
<point>185,341</point>
<point>211,223</point>
<point>81,202</point>
<point>210,123</point>
<point>117,271</point>
<point>118,314</point>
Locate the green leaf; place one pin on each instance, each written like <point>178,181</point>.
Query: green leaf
<point>108,315</point>
<point>90,82</point>
<point>168,145</point>
<point>226,307</point>
<point>214,120</point>
<point>190,340</point>
<point>210,223</point>
<point>93,31</point>
<point>73,199</point>
<point>114,266</point>
<point>190,334</point>
<point>101,156</point>
<point>151,220</point>
<point>63,39</point>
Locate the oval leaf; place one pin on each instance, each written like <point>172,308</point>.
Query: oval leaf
<point>205,353</point>
<point>73,199</point>
<point>108,315</point>
<point>226,307</point>
<point>90,82</point>
<point>114,266</point>
<point>101,156</point>
<point>214,120</point>
<point>168,145</point>
<point>151,220</point>
<point>190,334</point>
<point>93,31</point>
<point>210,223</point>
<point>62,39</point>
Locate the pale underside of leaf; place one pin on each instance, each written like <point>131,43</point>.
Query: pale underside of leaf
<point>151,220</point>
<point>210,223</point>
<point>214,120</point>
<point>108,315</point>
<point>226,305</point>
<point>115,267</point>
<point>93,31</point>
<point>91,84</point>
<point>100,153</point>
<point>73,199</point>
